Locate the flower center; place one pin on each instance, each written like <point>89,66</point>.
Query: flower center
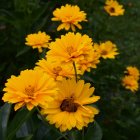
<point>112,10</point>
<point>29,90</point>
<point>104,52</point>
<point>57,69</point>
<point>69,105</point>
<point>70,50</point>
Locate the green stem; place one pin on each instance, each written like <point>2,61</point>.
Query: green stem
<point>46,123</point>
<point>71,135</point>
<point>83,134</point>
<point>74,65</point>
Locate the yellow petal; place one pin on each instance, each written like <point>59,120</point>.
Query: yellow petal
<point>51,111</point>
<point>40,49</point>
<point>79,88</point>
<point>79,26</point>
<point>67,26</point>
<point>30,106</point>
<point>61,26</point>
<point>72,120</point>
<point>55,19</point>
<point>90,100</point>
<point>18,105</point>
<point>73,28</point>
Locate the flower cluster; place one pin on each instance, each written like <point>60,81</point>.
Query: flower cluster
<point>55,69</point>
<point>130,81</point>
<point>74,48</point>
<point>54,84</point>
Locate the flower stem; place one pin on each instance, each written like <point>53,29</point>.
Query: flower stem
<point>71,135</point>
<point>47,124</point>
<point>83,134</point>
<point>74,65</point>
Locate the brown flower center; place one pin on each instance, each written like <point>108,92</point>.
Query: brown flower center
<point>112,10</point>
<point>104,52</point>
<point>69,105</point>
<point>57,69</point>
<point>29,90</point>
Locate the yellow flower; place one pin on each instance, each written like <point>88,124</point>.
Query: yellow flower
<point>38,40</point>
<point>56,70</point>
<point>133,71</point>
<point>30,88</point>
<point>113,8</point>
<point>70,16</point>
<point>70,48</point>
<point>71,109</point>
<point>106,50</point>
<point>90,61</point>
<point>130,83</point>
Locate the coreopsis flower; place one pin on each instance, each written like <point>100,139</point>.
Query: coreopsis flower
<point>113,8</point>
<point>71,109</point>
<point>56,70</point>
<point>31,88</point>
<point>38,40</point>
<point>70,16</point>
<point>90,61</point>
<point>129,82</point>
<point>106,50</point>
<point>133,71</point>
<point>70,48</point>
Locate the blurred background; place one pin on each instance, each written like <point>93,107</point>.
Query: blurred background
<point>119,116</point>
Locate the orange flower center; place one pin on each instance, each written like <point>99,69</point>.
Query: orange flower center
<point>29,90</point>
<point>57,69</point>
<point>70,50</point>
<point>69,105</point>
<point>68,17</point>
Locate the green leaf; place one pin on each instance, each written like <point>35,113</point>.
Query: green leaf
<point>21,6</point>
<point>17,121</point>
<point>40,12</point>
<point>4,117</point>
<point>23,51</point>
<point>46,131</point>
<point>76,135</point>
<point>26,138</point>
<point>94,132</point>
<point>23,131</point>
